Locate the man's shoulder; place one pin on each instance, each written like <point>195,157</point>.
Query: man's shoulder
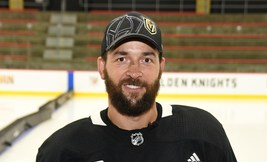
<point>191,112</point>
<point>193,124</point>
<point>69,129</point>
<point>88,125</point>
<point>60,139</point>
<point>191,118</point>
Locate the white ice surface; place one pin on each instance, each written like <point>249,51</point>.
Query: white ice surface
<point>245,122</point>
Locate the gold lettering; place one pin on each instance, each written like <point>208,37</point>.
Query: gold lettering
<point>6,79</point>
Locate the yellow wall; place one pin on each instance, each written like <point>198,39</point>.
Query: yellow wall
<point>16,4</point>
<point>203,6</point>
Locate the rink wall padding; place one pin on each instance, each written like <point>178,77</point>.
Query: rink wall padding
<point>186,85</point>
<point>33,82</point>
<point>173,84</point>
<point>11,132</point>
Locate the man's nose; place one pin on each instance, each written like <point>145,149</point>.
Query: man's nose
<point>134,71</point>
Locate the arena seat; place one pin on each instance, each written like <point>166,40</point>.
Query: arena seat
<point>192,42</point>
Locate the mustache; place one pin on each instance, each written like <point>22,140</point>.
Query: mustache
<point>135,82</point>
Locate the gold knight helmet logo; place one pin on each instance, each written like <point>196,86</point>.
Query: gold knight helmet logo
<point>150,26</point>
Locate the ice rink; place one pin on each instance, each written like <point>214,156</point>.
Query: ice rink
<point>245,122</point>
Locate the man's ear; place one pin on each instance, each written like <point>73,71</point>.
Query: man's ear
<point>162,63</point>
<point>101,67</point>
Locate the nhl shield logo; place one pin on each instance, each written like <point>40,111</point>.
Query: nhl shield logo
<point>150,26</point>
<point>137,139</point>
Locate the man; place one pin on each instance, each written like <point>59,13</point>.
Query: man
<point>134,127</point>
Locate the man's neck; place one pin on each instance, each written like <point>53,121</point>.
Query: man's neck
<point>132,123</point>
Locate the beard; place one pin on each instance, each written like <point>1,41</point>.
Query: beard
<point>133,105</point>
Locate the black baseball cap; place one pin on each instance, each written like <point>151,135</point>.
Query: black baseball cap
<point>131,25</point>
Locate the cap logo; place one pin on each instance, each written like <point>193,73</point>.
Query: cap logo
<point>150,26</point>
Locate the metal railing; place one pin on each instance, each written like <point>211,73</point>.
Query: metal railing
<point>216,6</point>
<point>155,5</point>
<point>239,6</point>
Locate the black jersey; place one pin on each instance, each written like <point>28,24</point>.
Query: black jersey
<point>180,134</point>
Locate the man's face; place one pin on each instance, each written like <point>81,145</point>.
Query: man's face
<point>132,75</point>
<point>132,104</point>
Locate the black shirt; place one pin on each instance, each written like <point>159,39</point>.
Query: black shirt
<point>180,134</point>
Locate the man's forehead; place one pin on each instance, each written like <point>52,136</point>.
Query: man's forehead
<point>128,51</point>
<point>134,41</point>
<point>143,53</point>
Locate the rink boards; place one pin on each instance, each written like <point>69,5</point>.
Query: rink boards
<point>89,83</point>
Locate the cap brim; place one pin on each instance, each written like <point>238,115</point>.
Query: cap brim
<point>139,37</point>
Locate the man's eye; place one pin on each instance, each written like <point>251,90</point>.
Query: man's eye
<point>147,60</point>
<point>121,59</point>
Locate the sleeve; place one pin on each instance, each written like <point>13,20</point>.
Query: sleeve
<point>65,155</point>
<point>203,126</point>
<point>229,153</point>
<point>46,153</point>
<point>61,145</point>
<point>51,149</point>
